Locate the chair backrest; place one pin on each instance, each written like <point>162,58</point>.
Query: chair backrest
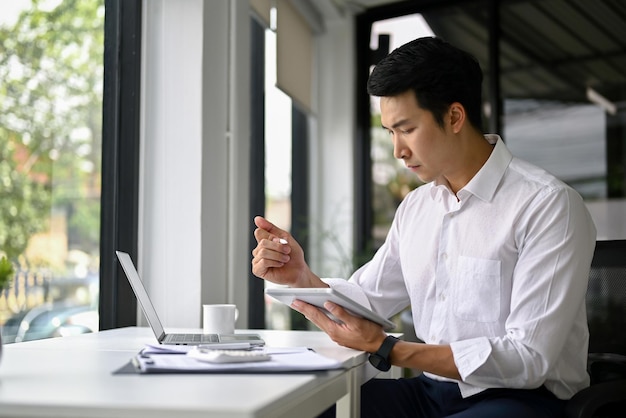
<point>606,298</point>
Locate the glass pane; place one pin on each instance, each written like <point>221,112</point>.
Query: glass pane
<point>277,168</point>
<point>50,144</point>
<point>391,180</point>
<point>564,93</point>
<point>567,139</point>
<point>545,72</point>
<point>277,143</point>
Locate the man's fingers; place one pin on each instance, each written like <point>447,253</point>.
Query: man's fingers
<point>273,251</point>
<point>260,267</point>
<point>269,227</point>
<point>313,314</point>
<point>261,234</point>
<point>337,310</point>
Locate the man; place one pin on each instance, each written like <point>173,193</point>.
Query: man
<point>492,255</point>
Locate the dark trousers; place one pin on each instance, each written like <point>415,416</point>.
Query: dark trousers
<point>422,397</point>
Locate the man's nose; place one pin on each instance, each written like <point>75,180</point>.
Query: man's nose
<point>400,150</point>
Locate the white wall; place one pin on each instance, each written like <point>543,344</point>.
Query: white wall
<point>193,238</point>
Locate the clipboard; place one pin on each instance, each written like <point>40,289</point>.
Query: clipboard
<point>282,360</point>
<point>317,296</point>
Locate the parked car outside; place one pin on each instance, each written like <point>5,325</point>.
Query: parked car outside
<point>50,320</point>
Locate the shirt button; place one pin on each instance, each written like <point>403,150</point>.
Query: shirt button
<point>442,297</point>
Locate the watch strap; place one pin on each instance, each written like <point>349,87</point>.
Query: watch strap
<point>380,359</point>
<point>385,348</point>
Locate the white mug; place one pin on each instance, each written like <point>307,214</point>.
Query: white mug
<point>219,319</point>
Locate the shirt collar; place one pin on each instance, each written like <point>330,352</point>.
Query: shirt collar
<point>485,182</point>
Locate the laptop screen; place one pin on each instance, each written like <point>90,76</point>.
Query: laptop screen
<point>141,294</point>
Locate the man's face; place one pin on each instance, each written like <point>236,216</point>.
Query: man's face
<point>425,147</point>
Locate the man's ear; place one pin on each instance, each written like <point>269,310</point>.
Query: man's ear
<point>457,115</point>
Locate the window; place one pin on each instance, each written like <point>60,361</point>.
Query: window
<point>277,142</point>
<point>553,93</point>
<point>567,139</point>
<point>279,168</point>
<point>561,92</point>
<point>50,169</point>
<point>391,181</point>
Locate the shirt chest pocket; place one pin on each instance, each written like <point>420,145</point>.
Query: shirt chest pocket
<point>476,289</point>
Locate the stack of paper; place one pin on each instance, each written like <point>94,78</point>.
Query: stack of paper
<point>164,360</point>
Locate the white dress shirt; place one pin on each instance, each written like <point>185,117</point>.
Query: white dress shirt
<point>500,274</point>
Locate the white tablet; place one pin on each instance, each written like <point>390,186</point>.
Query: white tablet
<point>319,295</point>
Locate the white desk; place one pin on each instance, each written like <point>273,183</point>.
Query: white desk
<point>73,377</point>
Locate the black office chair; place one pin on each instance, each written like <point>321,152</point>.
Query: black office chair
<point>606,311</point>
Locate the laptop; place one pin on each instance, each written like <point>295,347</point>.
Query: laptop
<point>155,323</point>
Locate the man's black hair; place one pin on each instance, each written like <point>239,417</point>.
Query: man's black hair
<point>439,74</point>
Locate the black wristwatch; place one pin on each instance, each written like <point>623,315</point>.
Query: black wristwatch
<point>380,359</point>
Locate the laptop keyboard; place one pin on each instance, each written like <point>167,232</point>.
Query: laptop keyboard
<point>192,338</point>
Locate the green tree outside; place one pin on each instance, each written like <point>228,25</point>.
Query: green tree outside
<point>51,67</point>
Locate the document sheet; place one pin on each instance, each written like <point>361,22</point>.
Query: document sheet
<point>282,360</point>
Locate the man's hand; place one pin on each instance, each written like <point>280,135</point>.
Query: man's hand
<point>354,332</point>
<point>279,258</point>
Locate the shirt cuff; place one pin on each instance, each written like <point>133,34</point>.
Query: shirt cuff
<point>470,354</point>
<point>350,290</point>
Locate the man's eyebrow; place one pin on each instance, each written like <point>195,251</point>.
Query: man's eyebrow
<point>397,124</point>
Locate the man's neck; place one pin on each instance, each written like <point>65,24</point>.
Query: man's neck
<point>475,152</point>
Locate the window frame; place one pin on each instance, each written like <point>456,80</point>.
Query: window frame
<point>366,57</point>
<point>256,305</point>
<point>120,159</point>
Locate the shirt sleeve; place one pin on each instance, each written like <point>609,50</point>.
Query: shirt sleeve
<point>382,279</point>
<point>556,238</point>
<point>349,289</point>
<point>382,274</point>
